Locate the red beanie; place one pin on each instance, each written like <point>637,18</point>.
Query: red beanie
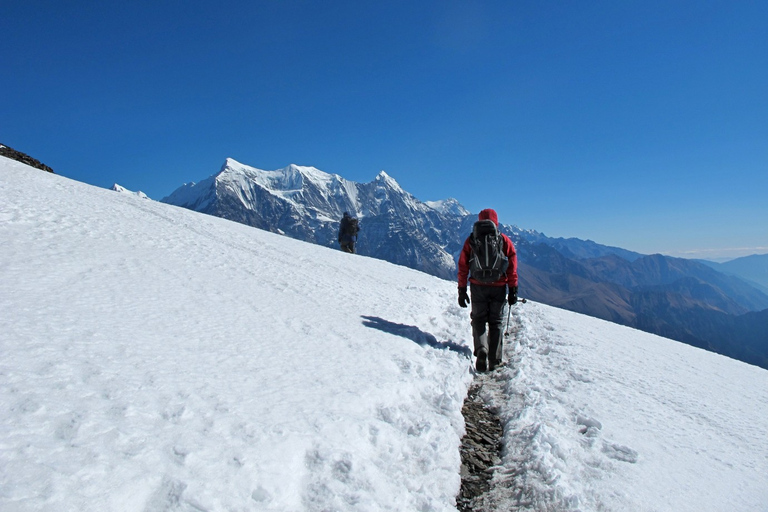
<point>488,213</point>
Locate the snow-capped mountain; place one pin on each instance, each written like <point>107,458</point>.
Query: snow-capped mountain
<point>157,359</point>
<point>307,204</point>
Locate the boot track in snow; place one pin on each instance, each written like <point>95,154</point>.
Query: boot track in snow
<point>481,446</point>
<point>480,449</point>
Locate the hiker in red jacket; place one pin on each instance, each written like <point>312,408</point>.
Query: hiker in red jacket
<point>488,261</point>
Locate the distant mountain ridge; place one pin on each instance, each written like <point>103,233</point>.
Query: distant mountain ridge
<point>753,268</point>
<point>668,296</point>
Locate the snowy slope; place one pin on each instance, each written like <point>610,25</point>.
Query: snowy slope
<point>154,358</point>
<point>123,190</point>
<point>599,416</point>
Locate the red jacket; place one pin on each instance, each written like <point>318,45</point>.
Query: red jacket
<point>509,250</point>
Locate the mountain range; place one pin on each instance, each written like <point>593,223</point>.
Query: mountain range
<point>685,300</point>
<point>753,268</point>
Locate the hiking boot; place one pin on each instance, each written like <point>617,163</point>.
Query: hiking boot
<point>494,363</point>
<point>480,364</point>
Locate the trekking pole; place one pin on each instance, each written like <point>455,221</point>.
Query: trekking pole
<point>509,311</point>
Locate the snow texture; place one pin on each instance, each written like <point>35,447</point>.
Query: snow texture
<point>154,358</point>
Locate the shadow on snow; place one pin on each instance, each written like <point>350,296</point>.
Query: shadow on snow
<point>414,334</point>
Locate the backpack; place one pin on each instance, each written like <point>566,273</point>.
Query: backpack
<point>351,226</point>
<point>488,263</point>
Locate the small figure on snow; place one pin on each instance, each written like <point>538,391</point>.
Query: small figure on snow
<point>488,261</point>
<point>348,229</point>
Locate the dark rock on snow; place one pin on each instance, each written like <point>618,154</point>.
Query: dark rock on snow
<point>23,158</point>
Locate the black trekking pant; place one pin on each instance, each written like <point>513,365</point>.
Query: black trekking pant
<point>487,318</point>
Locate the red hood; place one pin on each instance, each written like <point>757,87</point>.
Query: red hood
<point>488,213</point>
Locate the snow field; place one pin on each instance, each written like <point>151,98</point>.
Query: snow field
<point>153,359</point>
<point>602,417</point>
<point>156,358</point>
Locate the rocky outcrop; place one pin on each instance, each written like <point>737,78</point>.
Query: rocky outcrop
<point>23,158</point>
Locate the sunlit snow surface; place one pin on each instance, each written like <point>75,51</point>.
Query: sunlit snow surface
<point>153,358</point>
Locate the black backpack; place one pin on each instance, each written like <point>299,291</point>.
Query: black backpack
<point>488,263</point>
<point>351,226</point>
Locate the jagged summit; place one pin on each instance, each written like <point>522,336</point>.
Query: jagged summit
<point>385,178</point>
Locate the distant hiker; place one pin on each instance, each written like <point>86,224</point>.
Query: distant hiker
<point>348,229</point>
<point>489,261</point>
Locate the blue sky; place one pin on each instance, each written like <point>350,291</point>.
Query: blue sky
<point>640,124</point>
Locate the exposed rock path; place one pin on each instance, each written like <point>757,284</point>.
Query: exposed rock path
<point>480,449</point>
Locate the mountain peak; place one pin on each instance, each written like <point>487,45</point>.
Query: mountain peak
<point>385,178</point>
<point>231,162</point>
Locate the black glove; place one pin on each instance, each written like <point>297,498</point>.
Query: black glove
<point>463,297</point>
<point>512,299</point>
